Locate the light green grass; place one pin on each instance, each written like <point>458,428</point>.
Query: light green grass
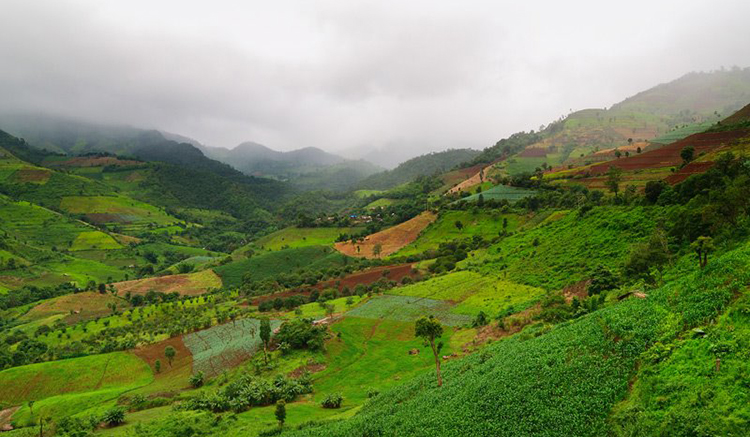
<point>483,224</point>
<point>293,237</point>
<point>94,240</point>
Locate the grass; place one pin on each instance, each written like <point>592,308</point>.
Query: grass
<point>94,240</point>
<point>554,254</point>
<point>131,215</point>
<point>371,354</point>
<point>294,237</point>
<point>267,264</point>
<point>117,371</point>
<point>483,224</point>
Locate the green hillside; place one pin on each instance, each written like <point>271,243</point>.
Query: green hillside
<point>425,165</point>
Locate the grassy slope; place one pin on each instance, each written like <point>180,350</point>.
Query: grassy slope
<point>444,229</point>
<point>565,248</point>
<point>293,237</point>
<point>561,382</point>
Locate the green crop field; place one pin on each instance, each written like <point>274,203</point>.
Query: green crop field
<point>294,237</point>
<point>224,346</point>
<point>133,215</point>
<point>473,293</point>
<point>94,240</point>
<point>408,309</point>
<point>264,265</point>
<point>501,192</point>
<point>483,224</point>
<point>72,385</point>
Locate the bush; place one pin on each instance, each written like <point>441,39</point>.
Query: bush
<point>114,416</point>
<point>197,379</point>
<point>332,400</point>
<point>301,334</point>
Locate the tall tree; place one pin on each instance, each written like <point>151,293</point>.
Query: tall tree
<point>614,177</point>
<point>170,353</point>
<point>430,329</point>
<point>702,247</point>
<point>265,336</point>
<point>280,412</point>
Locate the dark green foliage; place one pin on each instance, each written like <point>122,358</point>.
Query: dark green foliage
<point>602,279</point>
<point>301,334</point>
<point>114,416</point>
<point>280,411</point>
<point>332,400</point>
<point>247,392</point>
<point>653,190</point>
<point>197,379</point>
<point>425,165</point>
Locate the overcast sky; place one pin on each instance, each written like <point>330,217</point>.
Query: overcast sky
<point>343,74</point>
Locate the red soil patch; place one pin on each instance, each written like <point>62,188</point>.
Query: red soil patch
<point>475,179</point>
<point>687,171</point>
<point>457,176</point>
<point>96,161</point>
<point>182,365</point>
<point>366,277</point>
<point>312,368</point>
<point>579,290</point>
<point>533,152</point>
<point>185,284</point>
<point>391,240</point>
<point>631,148</point>
<point>5,417</point>
<point>37,175</point>
<point>669,156</point>
<point>738,117</point>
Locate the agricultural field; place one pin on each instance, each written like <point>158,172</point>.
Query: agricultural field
<point>187,284</point>
<point>294,237</point>
<point>484,224</point>
<point>268,264</point>
<point>128,214</point>
<point>224,346</point>
<point>74,307</point>
<point>71,386</point>
<point>473,293</point>
<point>60,270</point>
<point>501,192</point>
<point>390,240</point>
<point>408,309</point>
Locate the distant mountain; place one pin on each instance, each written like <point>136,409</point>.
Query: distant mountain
<point>431,163</point>
<point>308,168</point>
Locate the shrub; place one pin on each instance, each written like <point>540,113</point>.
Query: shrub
<point>301,334</point>
<point>197,380</point>
<point>332,400</point>
<point>114,416</point>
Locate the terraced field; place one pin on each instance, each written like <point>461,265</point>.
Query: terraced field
<point>130,214</point>
<point>501,192</point>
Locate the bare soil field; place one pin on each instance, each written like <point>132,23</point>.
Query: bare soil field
<point>189,284</point>
<point>390,240</point>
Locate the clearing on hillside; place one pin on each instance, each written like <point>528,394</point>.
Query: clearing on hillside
<point>292,237</point>
<point>390,240</point>
<point>188,284</point>
<point>77,307</point>
<point>501,192</point>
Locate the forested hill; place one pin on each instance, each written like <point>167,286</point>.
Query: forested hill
<point>425,165</point>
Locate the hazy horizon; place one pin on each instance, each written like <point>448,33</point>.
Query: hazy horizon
<point>408,77</point>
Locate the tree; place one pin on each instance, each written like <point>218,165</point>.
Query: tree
<point>702,246</point>
<point>459,225</point>
<point>653,190</point>
<point>687,154</point>
<point>430,329</point>
<point>614,177</point>
<point>480,200</point>
<point>377,249</point>
<point>618,154</point>
<point>638,150</point>
<point>280,412</point>
<point>114,416</point>
<point>169,352</point>
<point>197,379</point>
<point>157,366</point>
<point>265,336</point>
